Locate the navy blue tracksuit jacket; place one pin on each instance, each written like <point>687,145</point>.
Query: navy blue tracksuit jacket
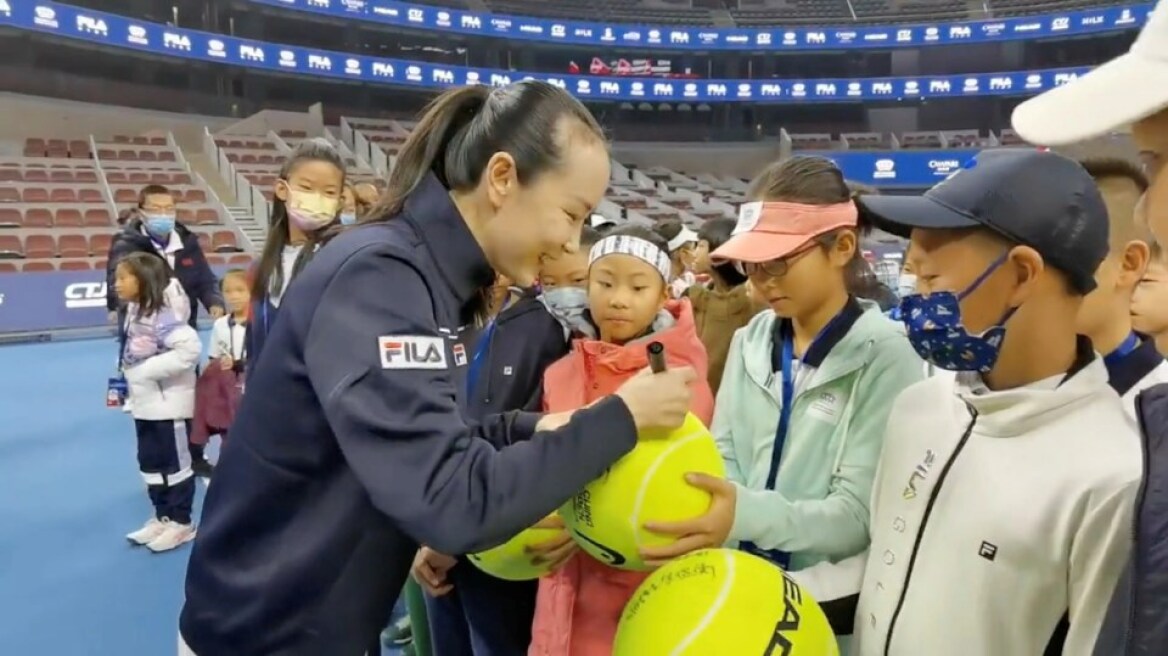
<point>190,266</point>
<point>349,447</point>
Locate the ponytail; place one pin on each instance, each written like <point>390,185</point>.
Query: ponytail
<point>463,128</point>
<point>445,117</point>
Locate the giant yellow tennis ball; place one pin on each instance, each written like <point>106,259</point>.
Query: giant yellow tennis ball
<point>722,601</point>
<point>510,560</point>
<point>607,517</point>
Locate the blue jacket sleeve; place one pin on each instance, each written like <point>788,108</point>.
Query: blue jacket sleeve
<point>206,287</point>
<point>401,431</point>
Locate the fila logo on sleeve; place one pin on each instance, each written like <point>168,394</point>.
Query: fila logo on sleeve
<point>411,352</point>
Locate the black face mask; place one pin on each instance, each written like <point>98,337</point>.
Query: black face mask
<point>730,274</point>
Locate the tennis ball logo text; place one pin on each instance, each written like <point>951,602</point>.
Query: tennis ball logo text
<point>780,644</point>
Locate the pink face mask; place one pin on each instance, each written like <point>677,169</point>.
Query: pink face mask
<point>311,211</point>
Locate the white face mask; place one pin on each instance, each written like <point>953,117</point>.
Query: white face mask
<point>906,284</point>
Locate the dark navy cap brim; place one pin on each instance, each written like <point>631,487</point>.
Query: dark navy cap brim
<point>898,215</point>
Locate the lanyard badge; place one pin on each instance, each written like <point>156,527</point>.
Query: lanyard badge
<point>116,391</point>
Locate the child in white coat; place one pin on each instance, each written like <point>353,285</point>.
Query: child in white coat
<point>159,353</point>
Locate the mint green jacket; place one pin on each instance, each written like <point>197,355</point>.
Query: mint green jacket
<point>819,509</point>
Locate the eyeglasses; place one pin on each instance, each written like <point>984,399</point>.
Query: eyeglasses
<point>774,268</point>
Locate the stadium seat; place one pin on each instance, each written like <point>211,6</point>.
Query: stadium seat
<point>73,245</point>
<point>61,176</point>
<point>185,217</point>
<point>204,242</point>
<point>38,266</point>
<point>8,267</point>
<point>138,177</point>
<point>216,260</point>
<point>89,195</point>
<point>69,218</point>
<point>10,247</point>
<point>74,265</point>
<point>40,246</point>
<point>206,217</point>
<point>128,196</point>
<point>36,175</point>
<point>79,149</point>
<point>99,244</point>
<point>99,264</point>
<point>97,218</point>
<point>223,241</point>
<point>38,218</point>
<point>10,218</point>
<point>240,260</point>
<point>9,195</point>
<point>35,195</point>
<point>11,175</point>
<point>65,195</point>
<point>85,176</point>
<point>195,196</point>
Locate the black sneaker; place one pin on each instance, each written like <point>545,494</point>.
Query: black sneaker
<point>202,468</point>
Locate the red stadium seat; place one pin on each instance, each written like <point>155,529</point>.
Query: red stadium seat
<point>62,196</point>
<point>38,218</point>
<point>10,247</point>
<point>147,156</point>
<point>223,241</point>
<point>97,218</point>
<point>100,244</point>
<point>137,177</point>
<point>85,176</point>
<point>206,217</point>
<point>59,175</point>
<point>165,156</point>
<point>90,195</point>
<point>185,217</point>
<point>216,260</point>
<point>10,218</point>
<point>128,155</point>
<point>121,138</point>
<point>116,176</point>
<point>106,153</point>
<point>140,141</point>
<point>126,196</point>
<point>73,245</point>
<point>35,195</point>
<point>9,195</point>
<point>36,175</point>
<point>8,267</point>
<point>79,149</point>
<point>74,265</point>
<point>11,175</point>
<point>195,196</point>
<point>180,178</point>
<point>69,218</point>
<point>40,246</point>
<point>38,266</point>
<point>99,265</point>
<point>240,260</point>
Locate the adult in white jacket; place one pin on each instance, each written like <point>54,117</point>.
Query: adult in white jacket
<point>1001,511</point>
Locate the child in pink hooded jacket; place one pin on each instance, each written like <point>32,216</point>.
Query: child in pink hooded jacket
<point>579,605</point>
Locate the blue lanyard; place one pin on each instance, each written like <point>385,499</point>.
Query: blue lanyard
<point>123,335</point>
<point>1123,350</point>
<point>480,354</point>
<point>787,399</point>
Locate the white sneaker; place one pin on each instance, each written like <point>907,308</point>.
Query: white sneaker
<point>149,531</point>
<point>173,535</point>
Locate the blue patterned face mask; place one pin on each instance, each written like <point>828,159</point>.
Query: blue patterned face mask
<point>935,330</point>
<point>568,305</point>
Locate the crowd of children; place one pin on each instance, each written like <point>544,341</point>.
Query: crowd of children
<point>970,461</point>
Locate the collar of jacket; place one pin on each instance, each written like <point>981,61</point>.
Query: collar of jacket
<point>849,352</point>
<point>443,230</point>
<point>1023,410</point>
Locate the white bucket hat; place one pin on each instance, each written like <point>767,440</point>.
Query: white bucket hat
<point>1126,89</point>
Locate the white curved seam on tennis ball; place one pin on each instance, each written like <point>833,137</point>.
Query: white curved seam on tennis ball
<point>715,608</point>
<point>643,489</point>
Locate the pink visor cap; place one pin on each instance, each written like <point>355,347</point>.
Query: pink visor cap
<point>771,231</point>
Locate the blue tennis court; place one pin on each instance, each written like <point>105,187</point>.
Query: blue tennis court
<point>69,492</point>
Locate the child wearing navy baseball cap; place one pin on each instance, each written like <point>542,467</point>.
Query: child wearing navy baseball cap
<point>1001,517</point>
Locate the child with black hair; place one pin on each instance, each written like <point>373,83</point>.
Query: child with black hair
<point>682,245</point>
<point>306,201</point>
<point>808,384</point>
<point>723,304</point>
<point>628,305</point>
<point>159,352</point>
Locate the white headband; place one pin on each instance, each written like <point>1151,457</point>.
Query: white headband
<point>684,237</point>
<point>641,249</point>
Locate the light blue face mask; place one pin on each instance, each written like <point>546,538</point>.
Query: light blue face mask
<point>159,224</point>
<point>348,218</point>
<point>568,305</point>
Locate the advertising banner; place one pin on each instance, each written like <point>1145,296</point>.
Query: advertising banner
<point>117,31</point>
